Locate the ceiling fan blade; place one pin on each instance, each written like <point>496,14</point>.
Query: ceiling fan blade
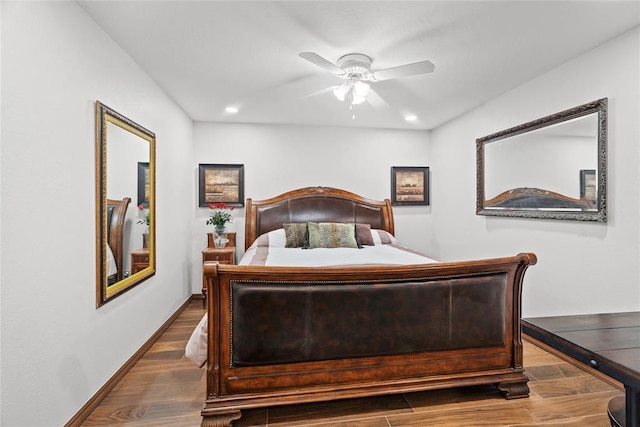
<point>318,92</point>
<point>321,62</point>
<point>422,67</point>
<point>376,100</point>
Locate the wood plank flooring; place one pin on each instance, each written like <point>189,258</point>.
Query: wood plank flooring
<point>165,389</point>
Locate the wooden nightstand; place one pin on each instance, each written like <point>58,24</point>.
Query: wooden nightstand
<point>226,255</point>
<point>139,260</point>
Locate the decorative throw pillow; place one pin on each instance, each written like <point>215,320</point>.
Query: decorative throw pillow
<point>296,235</point>
<point>363,235</point>
<point>331,235</point>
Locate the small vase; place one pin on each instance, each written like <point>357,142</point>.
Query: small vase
<point>145,239</point>
<point>220,237</point>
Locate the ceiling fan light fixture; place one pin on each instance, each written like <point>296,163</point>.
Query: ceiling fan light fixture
<point>355,100</point>
<point>361,89</point>
<point>355,91</point>
<point>355,64</point>
<point>341,91</point>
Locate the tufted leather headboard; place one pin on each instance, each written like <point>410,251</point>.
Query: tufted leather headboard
<point>315,204</point>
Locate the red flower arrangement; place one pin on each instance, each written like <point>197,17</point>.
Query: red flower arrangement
<point>143,215</point>
<point>220,214</point>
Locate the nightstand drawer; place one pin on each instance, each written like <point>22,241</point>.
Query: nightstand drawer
<point>140,257</point>
<point>222,256</point>
<point>226,255</point>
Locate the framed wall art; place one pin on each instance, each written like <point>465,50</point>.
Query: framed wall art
<point>588,185</point>
<point>143,184</point>
<point>219,183</point>
<point>409,185</point>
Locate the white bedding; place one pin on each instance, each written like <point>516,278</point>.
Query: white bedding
<point>196,349</point>
<point>323,257</point>
<point>269,249</point>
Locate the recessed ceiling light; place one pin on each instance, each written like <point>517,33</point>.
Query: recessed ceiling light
<point>231,110</point>
<point>410,118</point>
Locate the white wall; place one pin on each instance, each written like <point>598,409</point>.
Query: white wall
<point>57,348</point>
<point>1,133</point>
<point>582,267</point>
<point>281,158</point>
<point>520,162</point>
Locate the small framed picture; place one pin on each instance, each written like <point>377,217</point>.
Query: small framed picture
<point>143,184</point>
<point>220,183</point>
<point>588,185</point>
<point>409,185</point>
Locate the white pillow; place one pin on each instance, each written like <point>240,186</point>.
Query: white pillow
<point>272,239</point>
<point>382,237</point>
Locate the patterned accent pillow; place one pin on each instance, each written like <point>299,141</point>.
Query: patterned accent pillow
<point>296,235</point>
<point>331,235</point>
<point>363,235</point>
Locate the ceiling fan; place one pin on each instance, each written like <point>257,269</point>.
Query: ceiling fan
<point>355,68</point>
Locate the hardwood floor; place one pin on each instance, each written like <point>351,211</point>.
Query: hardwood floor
<point>165,389</point>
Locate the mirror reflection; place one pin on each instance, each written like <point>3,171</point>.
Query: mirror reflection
<point>125,203</point>
<point>554,167</point>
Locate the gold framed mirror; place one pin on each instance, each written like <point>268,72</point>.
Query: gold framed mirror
<point>125,231</point>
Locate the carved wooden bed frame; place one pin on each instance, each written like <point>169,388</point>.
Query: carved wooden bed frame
<point>536,198</point>
<point>367,330</point>
<point>116,215</point>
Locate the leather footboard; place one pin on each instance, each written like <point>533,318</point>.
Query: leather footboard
<point>274,322</point>
<point>284,335</point>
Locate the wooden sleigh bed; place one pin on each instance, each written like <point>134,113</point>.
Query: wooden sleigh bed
<point>288,335</point>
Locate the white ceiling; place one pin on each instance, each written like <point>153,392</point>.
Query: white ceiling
<point>211,54</point>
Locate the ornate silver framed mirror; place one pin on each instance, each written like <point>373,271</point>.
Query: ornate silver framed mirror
<point>554,167</point>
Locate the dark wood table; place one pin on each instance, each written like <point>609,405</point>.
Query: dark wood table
<point>608,342</point>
